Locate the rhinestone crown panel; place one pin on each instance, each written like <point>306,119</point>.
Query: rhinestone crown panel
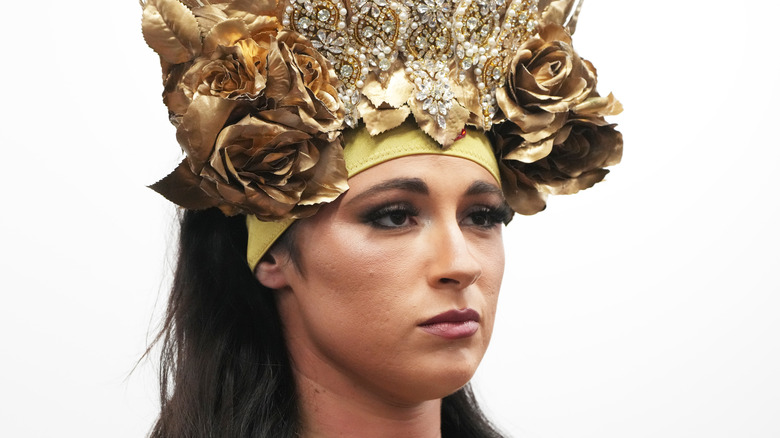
<point>438,41</point>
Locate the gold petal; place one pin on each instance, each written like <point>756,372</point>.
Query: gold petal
<point>555,33</point>
<point>262,23</point>
<point>171,30</point>
<point>574,185</point>
<point>278,81</point>
<point>521,195</point>
<point>301,211</point>
<point>289,117</point>
<point>176,96</point>
<point>602,106</point>
<point>200,126</point>
<point>531,152</point>
<point>329,179</point>
<point>287,199</point>
<point>519,116</point>
<point>537,132</point>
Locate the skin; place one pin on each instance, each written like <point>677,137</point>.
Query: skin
<point>405,243</point>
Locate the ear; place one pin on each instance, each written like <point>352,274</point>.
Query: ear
<point>270,274</point>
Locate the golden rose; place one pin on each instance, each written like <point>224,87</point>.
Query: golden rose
<point>301,89</point>
<point>581,150</point>
<point>511,149</point>
<point>229,72</point>
<point>231,65</point>
<point>546,79</point>
<point>262,168</point>
<point>274,171</point>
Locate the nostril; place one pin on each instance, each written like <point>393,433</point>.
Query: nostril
<point>448,281</point>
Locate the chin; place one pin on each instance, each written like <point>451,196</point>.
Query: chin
<point>438,387</point>
<point>440,378</point>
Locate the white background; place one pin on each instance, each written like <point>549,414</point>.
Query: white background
<point>644,307</point>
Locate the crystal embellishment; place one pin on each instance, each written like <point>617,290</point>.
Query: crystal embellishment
<point>362,37</point>
<point>323,14</point>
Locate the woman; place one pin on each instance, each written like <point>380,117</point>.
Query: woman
<point>362,312</point>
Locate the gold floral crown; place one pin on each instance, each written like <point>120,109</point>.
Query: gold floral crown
<point>261,90</point>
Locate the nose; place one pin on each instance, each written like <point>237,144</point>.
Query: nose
<point>453,264</point>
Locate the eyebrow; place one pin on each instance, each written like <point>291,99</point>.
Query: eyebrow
<point>414,185</point>
<point>417,185</point>
<point>482,187</point>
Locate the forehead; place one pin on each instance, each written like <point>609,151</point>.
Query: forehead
<point>432,169</point>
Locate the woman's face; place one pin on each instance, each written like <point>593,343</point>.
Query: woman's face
<point>398,281</point>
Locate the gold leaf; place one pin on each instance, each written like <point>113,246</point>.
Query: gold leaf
<point>209,16</point>
<point>378,121</point>
<point>455,121</point>
<point>182,187</point>
<point>399,88</point>
<point>226,33</point>
<point>394,91</point>
<point>171,30</point>
<point>557,11</point>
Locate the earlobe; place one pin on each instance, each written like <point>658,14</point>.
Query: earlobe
<point>269,273</point>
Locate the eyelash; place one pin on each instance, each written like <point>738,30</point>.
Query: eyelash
<point>492,214</point>
<point>374,216</point>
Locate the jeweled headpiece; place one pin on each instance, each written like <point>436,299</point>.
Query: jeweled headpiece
<point>261,90</point>
<point>450,55</point>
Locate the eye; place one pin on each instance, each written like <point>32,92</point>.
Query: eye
<point>488,217</point>
<point>480,218</point>
<point>392,216</point>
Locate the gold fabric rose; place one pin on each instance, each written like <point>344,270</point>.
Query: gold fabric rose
<point>581,151</point>
<point>229,72</point>
<point>301,89</point>
<point>546,79</point>
<point>262,168</point>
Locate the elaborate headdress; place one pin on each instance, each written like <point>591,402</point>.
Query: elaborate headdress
<point>261,91</point>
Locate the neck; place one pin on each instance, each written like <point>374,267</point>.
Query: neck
<point>329,413</point>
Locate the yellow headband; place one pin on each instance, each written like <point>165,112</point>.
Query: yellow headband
<point>363,151</point>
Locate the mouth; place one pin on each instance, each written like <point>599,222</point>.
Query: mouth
<point>453,324</point>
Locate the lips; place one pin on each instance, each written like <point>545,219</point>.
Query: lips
<point>453,324</point>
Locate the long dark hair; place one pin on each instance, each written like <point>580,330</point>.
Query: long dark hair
<point>225,369</point>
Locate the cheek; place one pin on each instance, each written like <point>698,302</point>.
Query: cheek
<point>355,281</point>
<point>492,254</point>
